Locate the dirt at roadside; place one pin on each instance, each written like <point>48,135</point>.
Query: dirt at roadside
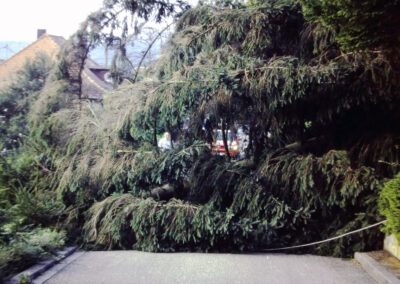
<point>386,259</point>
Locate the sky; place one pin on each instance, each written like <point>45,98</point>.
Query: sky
<point>20,19</point>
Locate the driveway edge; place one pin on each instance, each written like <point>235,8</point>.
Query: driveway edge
<point>377,271</point>
<point>38,269</point>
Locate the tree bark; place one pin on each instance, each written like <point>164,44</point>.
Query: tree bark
<point>169,128</point>
<point>165,192</point>
<point>147,51</point>
<point>224,139</point>
<point>155,133</point>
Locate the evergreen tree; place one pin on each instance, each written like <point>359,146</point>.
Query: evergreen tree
<point>320,118</point>
<point>16,99</point>
<point>359,24</point>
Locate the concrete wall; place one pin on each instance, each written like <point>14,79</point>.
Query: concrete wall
<point>391,245</point>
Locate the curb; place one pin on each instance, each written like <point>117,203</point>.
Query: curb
<point>377,271</point>
<point>36,270</point>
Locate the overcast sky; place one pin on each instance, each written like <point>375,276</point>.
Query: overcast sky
<point>20,19</point>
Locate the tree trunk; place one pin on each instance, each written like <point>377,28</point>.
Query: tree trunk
<point>169,128</point>
<point>251,142</point>
<point>224,139</point>
<point>155,133</point>
<point>165,192</point>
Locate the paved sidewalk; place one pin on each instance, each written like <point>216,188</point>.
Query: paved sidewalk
<point>141,267</point>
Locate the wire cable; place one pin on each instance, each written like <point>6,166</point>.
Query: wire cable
<point>327,240</point>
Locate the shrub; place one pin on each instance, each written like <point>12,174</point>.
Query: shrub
<point>26,248</point>
<point>389,206</point>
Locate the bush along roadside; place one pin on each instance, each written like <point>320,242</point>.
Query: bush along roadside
<point>22,247</point>
<point>29,211</point>
<point>389,206</point>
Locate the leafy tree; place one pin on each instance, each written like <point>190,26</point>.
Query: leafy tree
<point>25,204</point>
<point>16,99</point>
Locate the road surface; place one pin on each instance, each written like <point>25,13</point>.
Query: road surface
<point>141,267</point>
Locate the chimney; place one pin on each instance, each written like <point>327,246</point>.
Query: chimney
<point>40,32</point>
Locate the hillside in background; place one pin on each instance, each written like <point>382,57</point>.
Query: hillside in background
<point>134,52</point>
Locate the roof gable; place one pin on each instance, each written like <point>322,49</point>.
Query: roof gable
<point>93,86</point>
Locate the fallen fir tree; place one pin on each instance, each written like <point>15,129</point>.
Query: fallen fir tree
<point>321,113</point>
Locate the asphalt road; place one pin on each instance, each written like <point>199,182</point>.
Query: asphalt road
<point>141,267</point>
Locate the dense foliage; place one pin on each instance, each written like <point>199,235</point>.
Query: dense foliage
<point>26,204</point>
<point>16,99</point>
<point>25,248</point>
<point>319,122</point>
<point>359,24</point>
<point>389,206</point>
